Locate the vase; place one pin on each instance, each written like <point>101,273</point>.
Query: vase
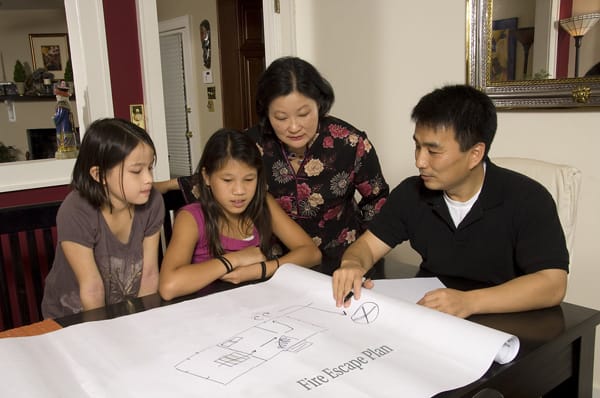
<point>20,87</point>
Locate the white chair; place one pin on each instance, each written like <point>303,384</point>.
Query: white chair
<point>561,181</point>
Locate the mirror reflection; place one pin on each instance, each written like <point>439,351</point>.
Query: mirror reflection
<point>544,39</point>
<point>35,38</point>
<point>535,53</point>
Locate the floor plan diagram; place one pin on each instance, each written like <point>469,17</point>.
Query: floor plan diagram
<point>287,331</point>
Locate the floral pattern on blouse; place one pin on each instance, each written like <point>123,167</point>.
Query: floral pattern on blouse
<point>320,195</point>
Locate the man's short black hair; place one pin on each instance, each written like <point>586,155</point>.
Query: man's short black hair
<point>470,112</point>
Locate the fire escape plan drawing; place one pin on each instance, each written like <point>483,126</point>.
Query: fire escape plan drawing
<point>288,331</point>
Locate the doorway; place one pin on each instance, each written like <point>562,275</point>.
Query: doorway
<point>181,116</point>
<point>242,51</point>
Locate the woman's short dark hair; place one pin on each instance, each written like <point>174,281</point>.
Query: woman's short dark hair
<point>223,145</point>
<point>106,144</point>
<point>468,111</point>
<point>286,75</point>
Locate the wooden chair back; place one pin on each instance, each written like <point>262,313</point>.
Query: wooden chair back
<point>27,246</point>
<point>173,201</point>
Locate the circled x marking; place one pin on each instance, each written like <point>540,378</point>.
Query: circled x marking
<point>366,313</point>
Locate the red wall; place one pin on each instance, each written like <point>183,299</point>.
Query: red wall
<point>32,196</point>
<point>120,19</point>
<point>564,39</point>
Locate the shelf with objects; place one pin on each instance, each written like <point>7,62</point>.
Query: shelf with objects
<point>27,98</point>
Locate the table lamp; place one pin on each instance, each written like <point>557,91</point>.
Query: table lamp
<point>577,27</point>
<point>525,37</point>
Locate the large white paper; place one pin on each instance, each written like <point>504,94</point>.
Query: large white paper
<point>408,289</point>
<point>284,337</point>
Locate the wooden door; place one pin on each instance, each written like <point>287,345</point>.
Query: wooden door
<point>242,59</point>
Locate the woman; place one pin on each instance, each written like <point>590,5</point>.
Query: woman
<point>314,161</point>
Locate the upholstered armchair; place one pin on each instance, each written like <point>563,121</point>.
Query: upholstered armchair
<point>562,181</point>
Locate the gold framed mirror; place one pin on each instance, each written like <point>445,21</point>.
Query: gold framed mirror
<point>504,62</point>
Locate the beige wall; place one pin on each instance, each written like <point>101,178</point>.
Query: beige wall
<point>381,60</point>
<point>200,10</point>
<point>14,43</point>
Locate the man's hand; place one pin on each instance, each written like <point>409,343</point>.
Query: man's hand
<point>345,279</point>
<point>450,301</point>
<point>358,258</point>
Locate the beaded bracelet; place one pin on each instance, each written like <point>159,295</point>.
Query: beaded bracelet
<point>226,263</point>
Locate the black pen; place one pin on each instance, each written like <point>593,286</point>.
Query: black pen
<point>349,296</point>
<point>365,277</point>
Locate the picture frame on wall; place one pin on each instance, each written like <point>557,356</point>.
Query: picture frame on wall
<point>50,51</point>
<point>503,49</point>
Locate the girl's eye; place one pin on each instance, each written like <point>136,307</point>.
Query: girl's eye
<point>136,171</point>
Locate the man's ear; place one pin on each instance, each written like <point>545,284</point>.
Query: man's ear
<point>95,173</point>
<point>477,154</point>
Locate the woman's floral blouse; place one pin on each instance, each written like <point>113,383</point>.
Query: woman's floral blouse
<point>320,196</point>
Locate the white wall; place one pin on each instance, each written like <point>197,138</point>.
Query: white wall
<point>381,60</point>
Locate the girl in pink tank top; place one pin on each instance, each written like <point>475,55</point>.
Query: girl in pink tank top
<point>227,233</point>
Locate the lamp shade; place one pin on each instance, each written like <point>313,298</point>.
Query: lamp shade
<point>580,24</point>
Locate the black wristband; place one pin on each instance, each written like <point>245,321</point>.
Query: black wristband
<point>263,270</point>
<point>277,260</point>
<point>226,263</point>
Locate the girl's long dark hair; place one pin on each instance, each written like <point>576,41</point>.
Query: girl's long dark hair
<point>223,145</point>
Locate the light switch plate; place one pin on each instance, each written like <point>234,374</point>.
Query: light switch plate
<point>207,76</point>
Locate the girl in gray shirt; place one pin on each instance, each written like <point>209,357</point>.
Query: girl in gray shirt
<point>108,226</point>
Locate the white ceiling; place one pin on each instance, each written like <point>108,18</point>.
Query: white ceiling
<point>31,4</point>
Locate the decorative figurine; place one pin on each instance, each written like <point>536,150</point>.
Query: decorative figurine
<point>66,142</point>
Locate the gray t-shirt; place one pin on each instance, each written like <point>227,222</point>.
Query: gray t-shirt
<point>120,264</point>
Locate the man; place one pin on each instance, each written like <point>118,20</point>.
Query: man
<point>466,217</point>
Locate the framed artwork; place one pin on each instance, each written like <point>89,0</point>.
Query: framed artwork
<point>503,49</point>
<point>137,116</point>
<point>50,51</point>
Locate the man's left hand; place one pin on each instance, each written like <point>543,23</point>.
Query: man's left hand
<point>450,301</point>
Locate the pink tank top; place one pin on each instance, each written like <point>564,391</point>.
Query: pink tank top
<point>201,253</point>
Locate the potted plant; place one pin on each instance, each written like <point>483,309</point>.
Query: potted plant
<point>69,74</point>
<point>8,153</point>
<point>19,76</point>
